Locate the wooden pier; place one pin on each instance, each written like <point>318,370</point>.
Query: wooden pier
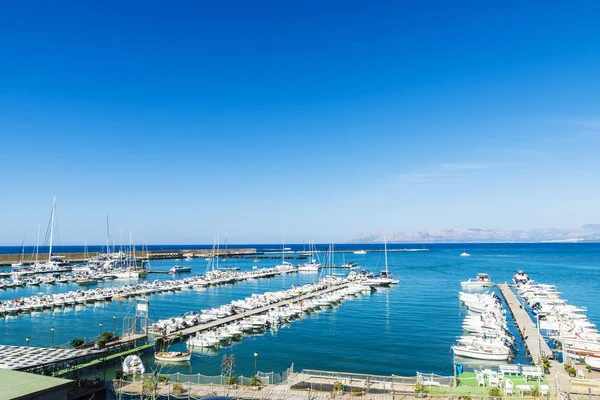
<point>223,321</point>
<point>534,342</point>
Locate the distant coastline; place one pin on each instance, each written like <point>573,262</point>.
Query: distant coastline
<point>585,233</point>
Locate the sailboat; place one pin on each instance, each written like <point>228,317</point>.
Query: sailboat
<point>285,266</point>
<point>54,263</point>
<point>385,278</point>
<point>312,266</point>
<point>19,264</point>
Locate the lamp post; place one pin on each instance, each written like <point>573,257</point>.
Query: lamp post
<point>27,340</point>
<point>52,329</point>
<point>255,357</point>
<point>100,328</point>
<point>114,324</point>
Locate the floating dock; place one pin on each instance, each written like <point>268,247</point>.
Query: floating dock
<point>534,342</point>
<point>224,321</point>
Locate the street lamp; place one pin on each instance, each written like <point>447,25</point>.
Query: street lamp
<point>114,324</point>
<point>52,329</point>
<point>255,357</point>
<point>27,340</point>
<point>100,328</point>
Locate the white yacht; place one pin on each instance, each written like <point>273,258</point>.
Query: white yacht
<point>179,268</point>
<point>465,254</point>
<point>133,365</point>
<point>482,281</point>
<point>360,252</point>
<point>520,277</point>
<point>311,267</point>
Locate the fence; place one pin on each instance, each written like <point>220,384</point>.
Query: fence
<point>265,378</point>
<point>327,381</point>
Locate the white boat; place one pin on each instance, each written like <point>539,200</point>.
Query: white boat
<point>173,356</point>
<point>385,278</point>
<point>133,365</point>
<point>593,362</point>
<point>465,254</point>
<point>179,268</point>
<point>359,252</point>
<point>482,353</point>
<point>310,267</point>
<point>125,274</point>
<point>482,281</point>
<point>520,277</point>
<point>86,281</point>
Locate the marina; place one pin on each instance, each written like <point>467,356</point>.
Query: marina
<point>409,297</point>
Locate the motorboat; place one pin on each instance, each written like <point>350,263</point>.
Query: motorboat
<point>132,365</point>
<point>593,362</point>
<point>173,356</point>
<point>482,281</point>
<point>520,278</point>
<point>86,281</point>
<point>481,352</point>
<point>465,254</point>
<point>359,252</point>
<point>179,268</point>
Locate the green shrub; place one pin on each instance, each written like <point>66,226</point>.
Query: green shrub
<point>163,378</point>
<point>535,392</point>
<point>177,386</point>
<point>255,381</point>
<point>147,385</point>
<point>77,342</point>
<point>338,386</point>
<point>420,388</point>
<point>494,391</point>
<point>357,391</point>
<point>233,380</point>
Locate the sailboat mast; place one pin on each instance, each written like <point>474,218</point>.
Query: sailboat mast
<point>283,250</point>
<point>385,251</point>
<point>51,228</point>
<point>107,243</point>
<point>37,244</point>
<point>218,251</point>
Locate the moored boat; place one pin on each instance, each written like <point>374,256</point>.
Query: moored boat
<point>482,281</point>
<point>593,362</point>
<point>520,277</point>
<point>173,356</point>
<point>179,268</point>
<point>132,365</point>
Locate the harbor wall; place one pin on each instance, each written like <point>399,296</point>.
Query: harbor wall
<point>8,259</point>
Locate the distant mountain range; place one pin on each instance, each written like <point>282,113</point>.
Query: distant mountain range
<point>589,232</point>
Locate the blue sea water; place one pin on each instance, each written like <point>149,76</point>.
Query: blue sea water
<point>400,330</point>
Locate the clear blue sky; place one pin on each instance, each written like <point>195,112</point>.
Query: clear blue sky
<point>320,119</point>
